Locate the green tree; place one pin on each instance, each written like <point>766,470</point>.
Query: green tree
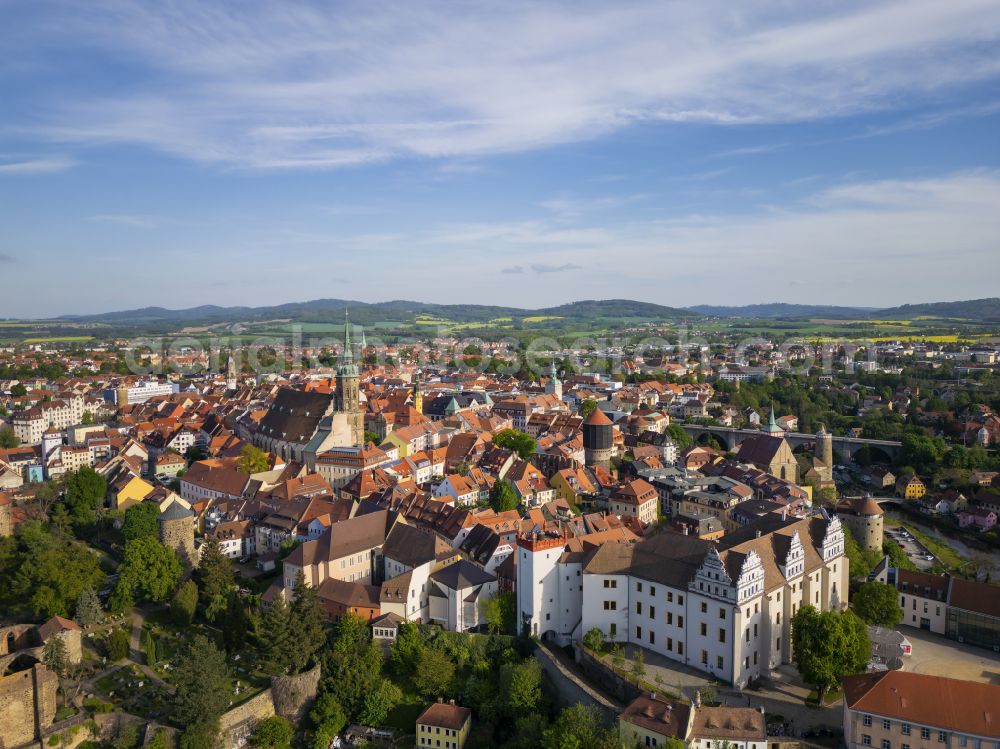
<point>503,498</point>
<point>406,651</point>
<point>149,648</point>
<point>678,436</point>
<point>587,407</point>
<point>434,673</point>
<point>85,493</point>
<point>55,656</point>
<point>215,579</point>
<point>8,438</point>
<point>352,664</point>
<point>272,733</point>
<point>517,441</point>
<point>500,613</point>
<point>141,521</point>
<point>236,624</point>
<point>594,639</point>
<point>43,572</point>
<point>253,460</point>
<point>200,736</point>
<point>579,727</point>
<point>328,717</point>
<point>126,736</point>
<point>202,685</point>
<point>277,639</point>
<point>150,572</point>
<point>371,437</point>
<point>828,646</point>
<point>878,603</point>
<point>184,603</point>
<point>18,390</point>
<point>88,608</point>
<point>308,629</point>
<point>521,686</point>
<point>377,703</point>
<point>118,645</point>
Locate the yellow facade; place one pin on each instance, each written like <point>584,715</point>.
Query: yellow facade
<point>132,493</point>
<point>442,738</point>
<point>401,444</point>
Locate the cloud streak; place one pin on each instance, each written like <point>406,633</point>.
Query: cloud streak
<point>48,165</point>
<point>332,86</point>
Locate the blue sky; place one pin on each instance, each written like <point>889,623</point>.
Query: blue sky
<point>182,153</point>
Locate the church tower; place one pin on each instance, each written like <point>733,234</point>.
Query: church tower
<point>554,385</point>
<point>231,374</point>
<point>418,394</point>
<point>347,398</point>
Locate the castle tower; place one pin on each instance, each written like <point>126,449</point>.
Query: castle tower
<point>51,441</point>
<point>231,375</point>
<point>418,394</point>
<point>554,385</point>
<point>176,524</point>
<point>824,447</point>
<point>6,521</point>
<point>348,395</point>
<point>121,395</point>
<point>598,439</point>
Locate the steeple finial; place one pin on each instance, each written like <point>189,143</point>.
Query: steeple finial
<point>348,353</point>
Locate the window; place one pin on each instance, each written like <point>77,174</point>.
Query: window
<point>638,587</point>
<point>613,630</point>
<point>652,637</point>
<point>670,596</point>
<point>906,729</point>
<point>704,629</point>
<point>704,657</point>
<point>886,744</point>
<point>722,613</point>
<point>680,647</point>
<point>722,635</point>
<point>963,740</point>
<point>670,618</point>
<point>718,663</point>
<point>866,740</point>
<point>704,607</point>
<point>942,737</point>
<point>611,605</point>
<point>638,607</point>
<point>652,590</point>
<point>925,733</point>
<point>887,725</point>
<point>610,583</point>
<point>680,600</point>
<point>638,633</point>
<point>652,612</point>
<point>867,720</point>
<point>904,746</point>
<point>680,621</point>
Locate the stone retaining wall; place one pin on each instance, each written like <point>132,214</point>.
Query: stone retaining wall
<point>571,689</point>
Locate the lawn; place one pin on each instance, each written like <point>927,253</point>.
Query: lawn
<point>60,338</point>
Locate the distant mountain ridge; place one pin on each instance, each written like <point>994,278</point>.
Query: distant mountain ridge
<point>405,311</point>
<point>781,309</point>
<point>328,310</point>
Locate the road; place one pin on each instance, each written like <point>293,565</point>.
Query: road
<point>913,548</point>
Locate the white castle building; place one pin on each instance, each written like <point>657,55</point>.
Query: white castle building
<point>724,608</point>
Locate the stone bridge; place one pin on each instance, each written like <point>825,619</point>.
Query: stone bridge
<point>846,447</point>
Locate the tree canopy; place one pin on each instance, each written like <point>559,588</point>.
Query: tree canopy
<point>519,442</point>
<point>828,646</point>
<point>253,460</point>
<point>503,497</point>
<point>878,603</point>
<point>141,521</point>
<point>149,572</point>
<point>43,572</point>
<point>85,493</point>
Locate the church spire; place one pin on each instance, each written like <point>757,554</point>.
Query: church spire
<point>348,354</point>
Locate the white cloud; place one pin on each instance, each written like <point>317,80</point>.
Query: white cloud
<point>282,86</point>
<point>46,165</point>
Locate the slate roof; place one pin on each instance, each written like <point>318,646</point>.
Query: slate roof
<point>294,415</point>
<point>462,574</point>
